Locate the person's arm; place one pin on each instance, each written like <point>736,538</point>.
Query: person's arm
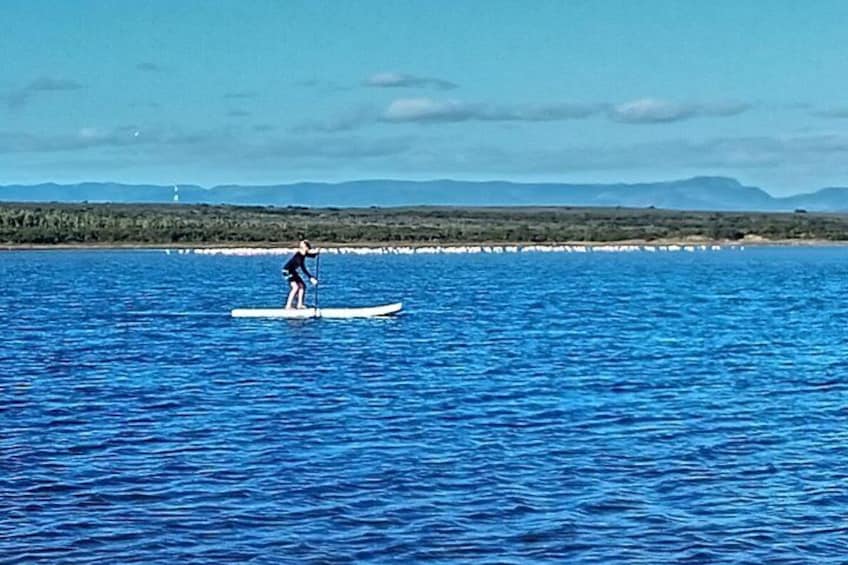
<point>313,253</point>
<point>304,269</point>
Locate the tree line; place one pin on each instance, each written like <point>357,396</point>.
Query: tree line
<point>152,224</point>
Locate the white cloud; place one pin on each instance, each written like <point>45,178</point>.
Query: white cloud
<point>428,110</point>
<point>425,110</point>
<point>655,111</point>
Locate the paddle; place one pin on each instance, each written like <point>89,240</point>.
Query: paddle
<point>317,276</point>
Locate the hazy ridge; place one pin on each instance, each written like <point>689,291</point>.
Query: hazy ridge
<point>697,193</point>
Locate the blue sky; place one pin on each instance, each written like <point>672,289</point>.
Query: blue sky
<point>263,92</point>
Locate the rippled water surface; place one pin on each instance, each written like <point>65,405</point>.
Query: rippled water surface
<point>586,408</point>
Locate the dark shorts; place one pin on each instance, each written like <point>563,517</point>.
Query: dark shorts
<point>293,278</point>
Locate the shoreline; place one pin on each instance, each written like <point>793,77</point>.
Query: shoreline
<point>484,246</point>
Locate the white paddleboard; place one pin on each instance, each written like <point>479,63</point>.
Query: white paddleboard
<point>386,310</point>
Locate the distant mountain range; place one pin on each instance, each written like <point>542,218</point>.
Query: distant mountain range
<point>698,193</point>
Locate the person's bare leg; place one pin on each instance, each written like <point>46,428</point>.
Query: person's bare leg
<point>301,293</point>
<point>292,295</point>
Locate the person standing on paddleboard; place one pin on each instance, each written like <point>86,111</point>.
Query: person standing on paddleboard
<point>298,261</point>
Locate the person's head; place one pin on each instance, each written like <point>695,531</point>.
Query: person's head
<point>304,246</point>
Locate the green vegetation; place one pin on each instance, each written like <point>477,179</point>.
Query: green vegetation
<point>135,224</point>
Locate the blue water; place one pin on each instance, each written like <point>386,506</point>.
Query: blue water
<point>597,408</point>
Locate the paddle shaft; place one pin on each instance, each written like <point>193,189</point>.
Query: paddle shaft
<point>317,276</point>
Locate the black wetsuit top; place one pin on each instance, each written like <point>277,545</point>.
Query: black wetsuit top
<point>295,263</point>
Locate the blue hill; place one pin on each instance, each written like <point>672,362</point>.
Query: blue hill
<point>698,193</point>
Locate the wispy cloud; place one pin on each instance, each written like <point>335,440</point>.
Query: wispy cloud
<point>840,113</point>
<point>84,138</point>
<point>241,95</point>
<point>20,97</point>
<point>655,111</point>
<point>403,80</point>
<point>730,155</point>
<point>238,113</point>
<point>163,144</point>
<point>151,105</point>
<point>427,110</point>
<point>47,84</point>
<point>411,154</point>
<point>324,85</point>
<point>149,67</point>
<point>347,147</point>
<point>309,83</point>
<point>121,138</point>
<point>347,121</point>
<point>379,80</point>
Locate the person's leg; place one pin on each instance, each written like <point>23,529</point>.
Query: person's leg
<point>292,294</point>
<point>300,295</point>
